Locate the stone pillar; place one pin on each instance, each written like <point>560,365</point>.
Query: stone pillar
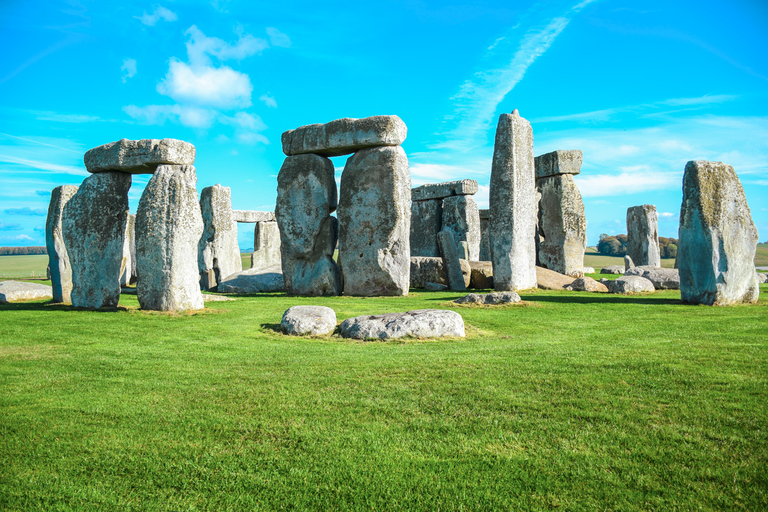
<point>266,246</point>
<point>485,238</point>
<point>94,232</point>
<point>643,235</point>
<point>58,259</point>
<point>426,218</point>
<point>128,273</point>
<point>513,205</point>
<point>218,249</point>
<point>462,218</point>
<point>718,239</point>
<point>451,261</point>
<point>169,225</point>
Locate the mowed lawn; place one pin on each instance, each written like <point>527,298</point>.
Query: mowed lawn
<point>570,401</point>
<point>27,266</point>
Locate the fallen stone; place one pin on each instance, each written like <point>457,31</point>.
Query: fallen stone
<point>252,216</point>
<point>266,246</point>
<point>662,278</point>
<point>481,276</point>
<point>253,280</point>
<point>643,235</point>
<point>209,297</point>
<point>460,216</point>
<point>451,261</point>
<point>308,321</point>
<point>443,190</point>
<point>550,280</point>
<point>561,234</point>
<point>345,136</point>
<point>630,284</point>
<point>612,269</point>
<point>422,323</point>
<point>589,270</point>
<point>628,263</point>
<point>139,156</point>
<point>127,290</point>
<point>218,249</point>
<point>586,284</point>
<point>564,161</point>
<point>434,287</point>
<point>16,291</point>
<point>426,219</point>
<point>425,269</point>
<point>489,298</point>
<point>58,258</point>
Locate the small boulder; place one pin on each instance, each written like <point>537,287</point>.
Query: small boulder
<point>762,278</point>
<point>589,270</point>
<point>489,298</point>
<point>631,284</point>
<point>308,321</point>
<point>662,278</point>
<point>14,291</point>
<point>422,323</point>
<point>612,269</point>
<point>551,280</point>
<point>586,284</point>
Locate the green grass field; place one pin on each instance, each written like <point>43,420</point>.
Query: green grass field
<point>23,266</point>
<point>570,401</point>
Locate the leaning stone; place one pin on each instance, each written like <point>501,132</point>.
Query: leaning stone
<point>643,235</point>
<point>513,205</point>
<point>58,259</point>
<point>169,224</point>
<point>481,274</point>
<point>253,280</point>
<point>94,233</point>
<point>612,269</point>
<point>489,298</point>
<point>252,216</point>
<point>462,218</point>
<point>718,239</point>
<point>564,161</point>
<point>344,136</point>
<point>550,280</point>
<point>218,249</point>
<point>309,321</point>
<point>426,219</point>
<point>139,156</point>
<point>630,284</point>
<point>434,287</point>
<point>451,261</point>
<point>561,235</point>
<point>589,270</point>
<point>443,190</point>
<point>375,222</point>
<point>586,284</point>
<point>15,291</point>
<point>662,278</point>
<point>128,273</point>
<point>266,246</point>
<point>422,323</point>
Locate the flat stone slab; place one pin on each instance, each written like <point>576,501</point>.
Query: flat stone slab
<point>563,161</point>
<point>139,156</point>
<point>612,269</point>
<point>421,323</point>
<point>631,284</point>
<point>208,297</point>
<point>309,321</point>
<point>344,136</point>
<point>662,278</point>
<point>15,291</point>
<point>551,280</point>
<point>252,216</point>
<point>442,190</point>
<point>253,280</point>
<point>489,298</point>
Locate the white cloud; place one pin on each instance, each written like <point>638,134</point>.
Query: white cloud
<point>268,100</point>
<point>277,38</point>
<point>17,238</point>
<point>128,68</point>
<point>247,127</point>
<point>626,182</point>
<point>43,166</point>
<point>204,85</point>
<point>201,47</point>
<point>160,13</point>
<point>666,214</point>
<point>193,117</point>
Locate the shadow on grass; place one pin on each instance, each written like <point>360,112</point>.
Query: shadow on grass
<point>601,298</point>
<point>51,306</point>
<point>272,327</point>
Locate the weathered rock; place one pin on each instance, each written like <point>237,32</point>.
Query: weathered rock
<point>128,273</point>
<point>375,222</point>
<point>422,323</point>
<point>485,238</point>
<point>513,205</point>
<point>266,246</point>
<point>462,218</point>
<point>717,237</point>
<point>489,298</point>
<point>252,216</point>
<point>550,280</point>
<point>662,278</point>
<point>308,321</point>
<point>139,156</point>
<point>344,136</point>
<point>306,197</point>
<point>58,259</point>
<point>481,276</point>
<point>16,291</point>
<point>564,161</point>
<point>612,269</point>
<point>561,235</point>
<point>463,248</point>
<point>169,225</point>
<point>425,269</point>
<point>589,270</point>
<point>443,190</point>
<point>218,248</point>
<point>628,263</point>
<point>253,280</point>
<point>426,219</point>
<point>434,287</point>
<point>630,284</point>
<point>451,261</point>
<point>643,235</point>
<point>586,284</point>
<point>209,297</point>
<point>94,231</point>
<point>762,278</point>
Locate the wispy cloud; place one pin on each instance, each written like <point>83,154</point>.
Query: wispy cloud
<point>25,211</point>
<point>43,166</point>
<point>128,68</point>
<point>10,227</point>
<point>160,13</point>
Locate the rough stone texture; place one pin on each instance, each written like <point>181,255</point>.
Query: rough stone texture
<point>345,136</point>
<point>252,216</point>
<point>218,248</point>
<point>643,235</point>
<point>443,190</point>
<point>462,218</point>
<point>718,239</point>
<point>762,278</point>
<point>489,298</point>
<point>612,269</point>
<point>586,284</point>
<point>561,234</point>
<point>513,205</point>
<point>253,280</point>
<point>128,273</point>
<point>139,156</point>
<point>58,259</point>
<point>451,261</point>
<point>630,284</point>
<point>551,280</point>
<point>375,222</point>
<point>485,237</point>
<point>169,224</point>
<point>589,270</point>
<point>463,248</point>
<point>266,246</point>
<point>306,197</point>
<point>434,287</point>
<point>426,219</point>
<point>308,321</point>
<point>481,274</point>
<point>422,323</point>
<point>662,278</point>
<point>563,161</point>
<point>425,269</point>
<point>628,263</point>
<point>94,232</point>
<point>15,291</point>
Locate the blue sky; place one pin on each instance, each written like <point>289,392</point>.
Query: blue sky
<point>640,87</point>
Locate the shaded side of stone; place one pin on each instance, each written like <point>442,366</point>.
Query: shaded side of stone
<point>462,218</point>
<point>58,258</point>
<point>426,218</point>
<point>266,246</point>
<point>128,273</point>
<point>445,189</point>
<point>451,261</point>
<point>485,236</point>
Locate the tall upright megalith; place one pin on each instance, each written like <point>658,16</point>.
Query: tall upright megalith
<point>461,218</point>
<point>643,235</point>
<point>218,251</point>
<point>266,246</point>
<point>717,238</point>
<point>58,259</point>
<point>513,205</point>
<point>94,232</point>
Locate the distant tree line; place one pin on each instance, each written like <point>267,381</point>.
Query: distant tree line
<point>22,251</point>
<point>616,245</point>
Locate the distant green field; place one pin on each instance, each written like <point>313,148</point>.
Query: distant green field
<point>245,257</point>
<point>23,266</point>
<point>761,257</point>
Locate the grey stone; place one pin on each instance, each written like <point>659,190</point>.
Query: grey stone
<point>344,136</point>
<point>589,270</point>
<point>586,284</point>
<point>15,291</point>
<point>481,274</point>
<point>169,225</point>
<point>628,263</point>
<point>309,321</point>
<point>425,269</point>
<point>426,219</point>
<point>252,216</point>
<point>253,280</point>
<point>718,239</point>
<point>485,238</point>
<point>630,284</point>
<point>422,323</point>
<point>451,261</point>
<point>94,232</point>
<point>443,190</point>
<point>58,259</point>
<point>462,218</point>
<point>434,287</point>
<point>218,249</point>
<point>762,278</point>
<point>643,235</point>
<point>489,298</point>
<point>563,161</point>
<point>513,205</point>
<point>463,248</point>
<point>139,156</point>
<point>662,278</point>
<point>266,246</point>
<point>306,197</point>
<point>612,269</point>
<point>209,297</point>
<point>561,235</point>
<point>375,222</point>
<point>128,272</point>
<point>550,280</point>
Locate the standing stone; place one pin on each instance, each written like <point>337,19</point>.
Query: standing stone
<point>462,218</point>
<point>426,219</point>
<point>266,246</point>
<point>58,259</point>
<point>169,224</point>
<point>218,248</point>
<point>306,197</point>
<point>375,221</point>
<point>718,239</point>
<point>513,205</point>
<point>485,238</point>
<point>94,232</point>
<point>128,274</point>
<point>561,235</point>
<point>643,235</point>
<point>451,261</point>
